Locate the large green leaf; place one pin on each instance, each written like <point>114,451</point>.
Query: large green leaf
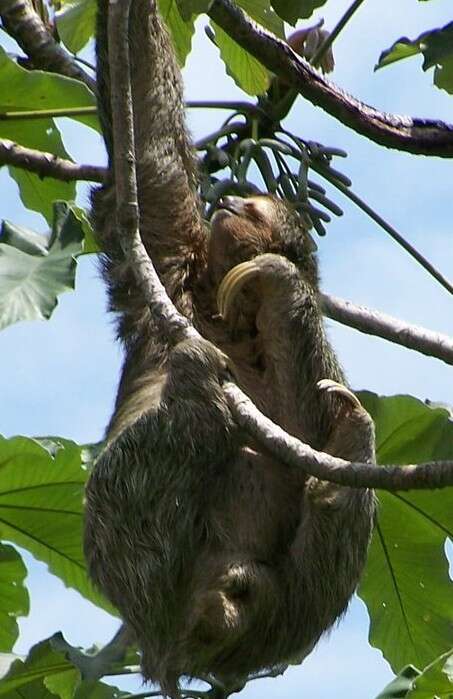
<point>399,687</point>
<point>89,243</point>
<point>436,680</point>
<point>99,690</point>
<point>24,90</point>
<point>406,585</point>
<point>292,10</point>
<point>181,31</point>
<point>75,23</point>
<point>437,48</point>
<point>13,595</point>
<point>41,510</point>
<point>188,8</point>
<point>43,663</point>
<point>245,70</point>
<point>262,12</point>
<point>48,672</point>
<point>32,273</point>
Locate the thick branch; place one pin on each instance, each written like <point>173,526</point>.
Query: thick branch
<point>393,329</point>
<point>47,164</point>
<point>434,474</point>
<point>420,136</point>
<point>26,27</point>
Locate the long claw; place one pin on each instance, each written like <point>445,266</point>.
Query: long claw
<point>232,284</point>
<point>331,386</point>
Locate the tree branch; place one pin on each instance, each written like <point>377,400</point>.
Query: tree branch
<point>293,452</point>
<point>419,136</point>
<point>47,164</point>
<point>173,324</point>
<point>26,27</point>
<point>389,328</point>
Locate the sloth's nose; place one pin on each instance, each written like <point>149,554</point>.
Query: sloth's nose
<point>232,203</point>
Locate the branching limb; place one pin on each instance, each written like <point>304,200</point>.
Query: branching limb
<point>389,328</point>
<point>47,164</point>
<point>173,324</point>
<point>26,27</point>
<point>288,449</point>
<point>420,136</point>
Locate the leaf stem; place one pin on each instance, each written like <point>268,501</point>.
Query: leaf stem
<point>327,43</point>
<point>242,107</point>
<point>386,226</point>
<point>47,113</point>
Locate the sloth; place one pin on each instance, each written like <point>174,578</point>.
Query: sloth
<point>221,560</point>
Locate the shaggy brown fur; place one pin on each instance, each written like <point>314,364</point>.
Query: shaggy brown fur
<point>221,559</point>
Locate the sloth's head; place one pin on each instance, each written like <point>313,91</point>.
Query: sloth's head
<point>242,228</point>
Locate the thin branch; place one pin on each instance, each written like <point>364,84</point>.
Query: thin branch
<point>241,107</point>
<point>47,164</point>
<point>291,451</point>
<point>420,136</point>
<point>173,324</point>
<point>184,693</point>
<point>372,322</point>
<point>27,28</point>
<point>145,695</point>
<point>325,46</point>
<point>413,252</point>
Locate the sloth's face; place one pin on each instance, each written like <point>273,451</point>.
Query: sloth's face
<point>241,229</point>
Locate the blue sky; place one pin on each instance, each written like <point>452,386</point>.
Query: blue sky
<point>61,375</point>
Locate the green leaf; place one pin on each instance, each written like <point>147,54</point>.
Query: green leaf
<point>89,242</point>
<point>30,281</point>
<point>63,684</point>
<point>292,10</point>
<point>406,585</point>
<point>39,194</point>
<point>402,48</point>
<point>14,599</point>
<point>437,48</point>
<point>24,90</point>
<point>262,12</point>
<point>41,510</point>
<point>436,680</point>
<point>42,662</point>
<point>181,31</point>
<point>398,688</point>
<point>75,23</point>
<point>32,90</point>
<point>245,70</point>
<point>99,690</point>
<point>189,8</point>
<point>443,75</point>
<point>47,673</point>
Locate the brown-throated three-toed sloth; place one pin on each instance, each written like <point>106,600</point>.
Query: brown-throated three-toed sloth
<point>220,559</point>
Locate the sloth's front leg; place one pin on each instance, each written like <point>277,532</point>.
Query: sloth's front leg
<point>270,296</point>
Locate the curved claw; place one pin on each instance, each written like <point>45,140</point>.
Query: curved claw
<point>331,386</point>
<point>232,284</point>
